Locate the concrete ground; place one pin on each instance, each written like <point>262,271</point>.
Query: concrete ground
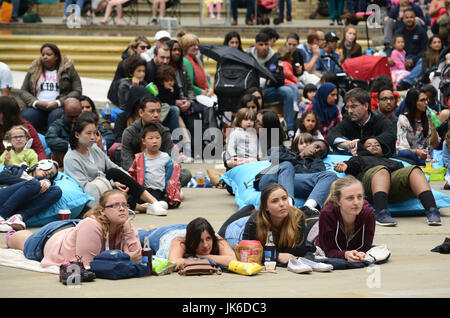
<point>412,270</point>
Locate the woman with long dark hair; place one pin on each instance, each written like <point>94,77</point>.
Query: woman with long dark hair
<point>416,133</point>
<point>233,39</point>
<point>51,79</point>
<point>9,117</point>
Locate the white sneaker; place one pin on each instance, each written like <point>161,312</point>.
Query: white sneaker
<point>219,17</point>
<point>164,205</point>
<point>317,267</point>
<point>5,227</point>
<point>298,267</point>
<point>16,222</point>
<point>156,209</point>
<point>212,16</point>
<point>181,195</point>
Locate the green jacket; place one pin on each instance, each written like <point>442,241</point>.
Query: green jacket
<point>190,70</point>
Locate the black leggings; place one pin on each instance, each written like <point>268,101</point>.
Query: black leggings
<point>135,190</point>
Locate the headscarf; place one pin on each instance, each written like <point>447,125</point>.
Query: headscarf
<point>324,112</point>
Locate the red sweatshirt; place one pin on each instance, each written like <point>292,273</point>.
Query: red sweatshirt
<point>332,239</point>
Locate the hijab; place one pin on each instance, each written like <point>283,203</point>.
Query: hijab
<point>325,112</point>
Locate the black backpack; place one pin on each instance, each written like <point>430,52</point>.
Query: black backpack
<point>231,81</point>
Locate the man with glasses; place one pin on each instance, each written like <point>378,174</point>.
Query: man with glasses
<point>149,113</point>
<point>360,123</point>
<point>386,104</point>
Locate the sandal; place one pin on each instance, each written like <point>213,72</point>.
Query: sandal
<point>340,23</point>
<point>331,22</point>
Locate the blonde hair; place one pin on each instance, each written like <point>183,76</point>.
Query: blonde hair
<point>96,211</point>
<point>134,44</point>
<point>289,235</point>
<point>23,128</point>
<point>337,187</point>
<point>187,41</point>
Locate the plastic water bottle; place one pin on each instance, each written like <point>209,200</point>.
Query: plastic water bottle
<point>104,146</point>
<point>108,111</point>
<point>434,118</point>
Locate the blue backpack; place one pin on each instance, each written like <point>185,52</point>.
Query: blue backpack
<point>115,264</point>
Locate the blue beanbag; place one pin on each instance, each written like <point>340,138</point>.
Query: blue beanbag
<point>241,180</point>
<point>114,113</point>
<point>73,198</point>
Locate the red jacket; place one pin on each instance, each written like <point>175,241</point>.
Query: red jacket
<point>332,239</point>
<point>289,77</point>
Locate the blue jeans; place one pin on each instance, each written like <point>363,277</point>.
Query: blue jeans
<point>284,93</point>
<point>41,119</point>
<point>416,72</point>
<point>171,121</point>
<point>314,186</point>
<point>406,153</point>
<point>360,6</point>
<point>34,245</point>
<point>282,174</point>
<point>288,8</point>
<point>24,198</point>
<point>79,3</point>
<point>16,7</point>
<point>155,235</point>
<point>249,4</point>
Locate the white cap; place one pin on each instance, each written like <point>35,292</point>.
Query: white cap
<point>161,35</point>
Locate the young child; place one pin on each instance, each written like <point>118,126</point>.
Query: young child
<point>386,180</point>
<point>301,141</point>
<point>309,123</point>
<point>290,80</point>
<point>153,168</point>
<point>398,55</point>
<point>308,96</point>
<point>18,137</point>
<point>135,68</point>
<point>166,79</point>
<point>242,145</point>
<point>218,4</point>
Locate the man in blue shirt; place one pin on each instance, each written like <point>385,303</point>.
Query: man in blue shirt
<point>325,64</point>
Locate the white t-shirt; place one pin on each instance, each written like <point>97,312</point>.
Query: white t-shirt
<point>6,79</point>
<point>48,88</point>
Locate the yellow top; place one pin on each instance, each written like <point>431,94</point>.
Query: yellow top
<point>29,156</point>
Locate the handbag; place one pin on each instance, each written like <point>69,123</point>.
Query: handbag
<point>6,11</point>
<point>378,254</point>
<point>198,266</point>
<point>115,264</point>
<point>101,184</point>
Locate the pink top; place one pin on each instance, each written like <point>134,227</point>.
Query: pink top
<point>399,59</point>
<point>85,240</point>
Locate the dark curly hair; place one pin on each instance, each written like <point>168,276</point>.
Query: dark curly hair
<point>132,62</point>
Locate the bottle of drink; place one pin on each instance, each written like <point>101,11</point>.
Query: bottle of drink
<point>434,118</point>
<point>147,254</point>
<point>270,249</point>
<point>200,178</point>
<point>428,162</point>
<point>108,111</point>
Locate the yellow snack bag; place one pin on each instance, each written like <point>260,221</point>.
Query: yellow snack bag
<point>243,268</point>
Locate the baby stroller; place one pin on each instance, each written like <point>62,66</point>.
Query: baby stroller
<point>264,7</point>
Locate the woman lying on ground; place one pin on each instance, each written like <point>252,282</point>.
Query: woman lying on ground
<point>180,241</point>
<point>104,227</point>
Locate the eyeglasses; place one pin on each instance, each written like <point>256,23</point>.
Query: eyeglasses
<point>385,99</point>
<point>352,107</point>
<point>144,47</point>
<point>19,137</point>
<point>117,206</point>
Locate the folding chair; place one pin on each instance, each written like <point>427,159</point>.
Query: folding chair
<point>130,12</point>
<point>173,9</point>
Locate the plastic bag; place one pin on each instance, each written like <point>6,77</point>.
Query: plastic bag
<point>244,268</point>
<point>162,267</point>
<point>249,251</point>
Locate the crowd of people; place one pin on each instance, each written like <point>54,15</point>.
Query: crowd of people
<point>162,90</point>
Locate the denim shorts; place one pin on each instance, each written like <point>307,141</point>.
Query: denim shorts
<point>34,245</point>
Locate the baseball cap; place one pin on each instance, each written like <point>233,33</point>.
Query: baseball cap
<point>161,35</point>
<point>331,36</point>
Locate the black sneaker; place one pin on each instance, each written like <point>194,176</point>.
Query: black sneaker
<point>433,217</point>
<point>384,218</point>
<point>311,214</point>
<point>74,269</point>
<point>403,86</point>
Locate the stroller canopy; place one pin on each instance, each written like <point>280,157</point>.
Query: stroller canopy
<point>367,67</point>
